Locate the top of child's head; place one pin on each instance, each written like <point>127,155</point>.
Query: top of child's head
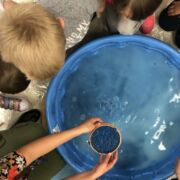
<point>136,9</point>
<point>12,80</point>
<point>32,39</point>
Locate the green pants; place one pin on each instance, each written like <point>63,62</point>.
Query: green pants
<point>16,137</point>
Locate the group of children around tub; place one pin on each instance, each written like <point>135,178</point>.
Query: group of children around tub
<point>32,47</point>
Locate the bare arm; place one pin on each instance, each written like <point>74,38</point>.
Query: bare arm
<point>44,145</point>
<point>106,163</point>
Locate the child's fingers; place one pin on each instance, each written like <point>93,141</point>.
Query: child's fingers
<point>97,120</point>
<point>172,6</point>
<point>107,158</point>
<point>174,9</point>
<point>98,124</point>
<point>175,3</point>
<point>171,11</point>
<point>114,159</point>
<point>101,158</point>
<point>116,155</point>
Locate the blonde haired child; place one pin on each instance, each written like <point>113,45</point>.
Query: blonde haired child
<point>32,39</point>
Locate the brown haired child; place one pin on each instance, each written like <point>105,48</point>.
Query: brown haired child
<point>126,16</point>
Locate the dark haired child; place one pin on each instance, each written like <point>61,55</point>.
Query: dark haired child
<point>127,16</point>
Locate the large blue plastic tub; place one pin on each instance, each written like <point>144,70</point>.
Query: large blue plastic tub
<point>132,82</point>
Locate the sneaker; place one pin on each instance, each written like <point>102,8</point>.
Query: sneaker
<point>148,25</point>
<point>16,104</point>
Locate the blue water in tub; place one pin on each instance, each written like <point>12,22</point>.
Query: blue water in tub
<point>135,88</point>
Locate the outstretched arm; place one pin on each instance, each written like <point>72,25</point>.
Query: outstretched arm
<point>44,145</point>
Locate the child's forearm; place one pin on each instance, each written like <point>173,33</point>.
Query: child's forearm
<point>44,145</point>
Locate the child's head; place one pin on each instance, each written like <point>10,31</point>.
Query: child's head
<point>33,40</point>
<point>136,9</point>
<point>124,16</point>
<point>11,80</point>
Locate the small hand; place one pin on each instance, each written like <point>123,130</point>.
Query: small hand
<point>90,124</point>
<point>106,163</point>
<point>178,168</point>
<point>174,9</point>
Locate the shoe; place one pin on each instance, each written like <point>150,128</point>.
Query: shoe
<point>30,116</point>
<point>177,38</point>
<point>148,25</point>
<point>16,104</point>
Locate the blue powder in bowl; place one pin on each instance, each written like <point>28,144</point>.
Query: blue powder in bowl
<point>105,139</point>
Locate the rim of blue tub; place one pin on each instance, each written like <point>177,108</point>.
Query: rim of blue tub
<point>158,172</point>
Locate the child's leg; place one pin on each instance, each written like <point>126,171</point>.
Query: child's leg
<point>168,23</point>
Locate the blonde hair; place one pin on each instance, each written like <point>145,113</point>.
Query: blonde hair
<point>32,39</point>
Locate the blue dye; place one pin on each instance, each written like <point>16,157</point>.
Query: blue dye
<point>105,139</point>
<point>135,88</point>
